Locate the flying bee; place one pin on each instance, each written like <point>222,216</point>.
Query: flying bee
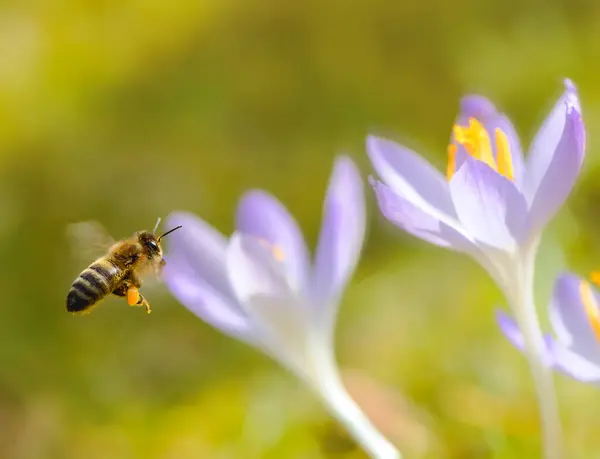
<point>119,270</point>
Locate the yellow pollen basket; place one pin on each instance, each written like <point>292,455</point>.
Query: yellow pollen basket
<point>590,306</point>
<point>276,250</point>
<point>477,143</point>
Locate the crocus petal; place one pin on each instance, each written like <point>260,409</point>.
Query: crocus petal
<point>559,174</point>
<point>205,301</point>
<point>417,221</point>
<point>574,364</point>
<point>201,247</point>
<point>261,215</point>
<point>253,270</point>
<point>475,106</point>
<point>282,328</point>
<point>489,206</point>
<point>278,315</point>
<point>569,320</point>
<point>481,108</point>
<point>511,330</point>
<point>411,176</point>
<point>544,145</point>
<point>342,233</point>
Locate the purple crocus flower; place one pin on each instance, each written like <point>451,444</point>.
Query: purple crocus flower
<point>492,204</point>
<point>260,287</point>
<point>575,319</point>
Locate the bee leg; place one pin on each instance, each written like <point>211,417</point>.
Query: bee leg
<point>143,302</point>
<point>135,298</point>
<point>133,295</point>
<point>129,292</point>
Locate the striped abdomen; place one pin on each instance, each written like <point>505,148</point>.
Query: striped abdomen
<point>93,284</point>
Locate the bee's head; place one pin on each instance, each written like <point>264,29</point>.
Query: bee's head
<point>151,242</point>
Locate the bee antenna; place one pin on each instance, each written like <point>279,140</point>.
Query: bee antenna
<point>156,226</point>
<point>168,232</point>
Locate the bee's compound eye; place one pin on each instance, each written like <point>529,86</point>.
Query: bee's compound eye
<point>153,245</point>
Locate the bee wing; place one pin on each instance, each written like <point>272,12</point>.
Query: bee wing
<point>89,241</point>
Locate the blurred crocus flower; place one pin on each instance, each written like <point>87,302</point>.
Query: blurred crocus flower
<point>492,204</point>
<point>575,319</point>
<point>260,287</point>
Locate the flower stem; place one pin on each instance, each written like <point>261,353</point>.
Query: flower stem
<point>525,312</point>
<point>333,393</point>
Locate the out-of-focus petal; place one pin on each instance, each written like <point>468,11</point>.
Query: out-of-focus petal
<point>280,319</point>
<point>566,310</point>
<point>482,109</point>
<point>475,106</point>
<point>489,206</point>
<point>342,233</point>
<point>559,173</point>
<point>543,147</point>
<point>205,301</point>
<point>261,215</point>
<point>410,175</point>
<point>573,364</point>
<point>283,329</point>
<point>201,247</point>
<point>253,270</point>
<point>569,319</point>
<point>417,221</point>
<point>511,330</point>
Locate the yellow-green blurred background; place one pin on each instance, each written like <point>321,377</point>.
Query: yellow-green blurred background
<point>122,111</point>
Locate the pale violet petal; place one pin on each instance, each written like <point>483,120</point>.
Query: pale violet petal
<point>282,328</point>
<point>569,318</point>
<point>418,222</point>
<point>261,215</point>
<point>475,106</point>
<point>410,175</point>
<point>574,364</point>
<point>205,301</point>
<point>254,270</point>
<point>511,330</point>
<point>200,246</point>
<point>489,206</point>
<point>342,235</point>
<point>279,317</point>
<point>444,233</point>
<point>564,302</point>
<point>560,174</point>
<point>546,140</point>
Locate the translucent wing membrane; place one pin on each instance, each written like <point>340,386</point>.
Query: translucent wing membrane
<point>89,240</point>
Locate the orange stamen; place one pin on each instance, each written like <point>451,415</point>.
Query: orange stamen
<point>476,141</point>
<point>503,156</point>
<point>595,277</point>
<point>276,250</point>
<point>590,306</point>
<point>451,161</point>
